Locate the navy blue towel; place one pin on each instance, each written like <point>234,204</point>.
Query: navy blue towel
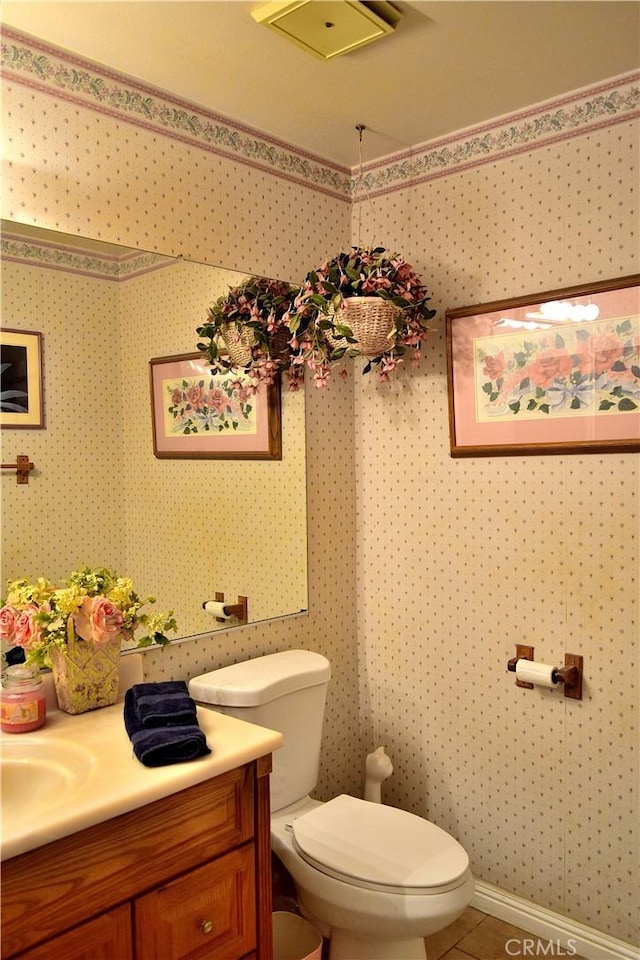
<point>163,704</point>
<point>161,746</point>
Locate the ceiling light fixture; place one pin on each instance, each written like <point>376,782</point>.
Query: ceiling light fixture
<point>329,29</point>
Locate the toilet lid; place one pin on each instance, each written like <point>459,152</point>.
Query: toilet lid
<point>373,845</point>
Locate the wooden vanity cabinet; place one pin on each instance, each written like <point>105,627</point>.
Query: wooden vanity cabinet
<point>187,877</point>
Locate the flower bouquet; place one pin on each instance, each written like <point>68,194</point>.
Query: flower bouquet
<point>77,630</point>
<point>368,303</point>
<point>247,330</point>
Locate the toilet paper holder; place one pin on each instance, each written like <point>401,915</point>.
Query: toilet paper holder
<point>570,675</point>
<point>240,610</point>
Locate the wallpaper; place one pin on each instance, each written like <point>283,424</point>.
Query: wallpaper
<point>482,554</point>
<point>424,571</point>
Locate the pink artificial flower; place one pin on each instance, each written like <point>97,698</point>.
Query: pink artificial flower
<point>98,621</point>
<point>176,397</point>
<point>8,618</point>
<point>321,376</point>
<point>27,631</point>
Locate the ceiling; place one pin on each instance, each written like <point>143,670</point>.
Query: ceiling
<point>449,65</point>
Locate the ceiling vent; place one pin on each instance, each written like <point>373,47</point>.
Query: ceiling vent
<point>329,29</point>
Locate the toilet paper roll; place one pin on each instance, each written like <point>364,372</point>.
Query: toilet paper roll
<point>216,609</point>
<point>530,671</point>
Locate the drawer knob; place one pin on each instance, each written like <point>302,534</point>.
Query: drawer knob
<point>206,926</point>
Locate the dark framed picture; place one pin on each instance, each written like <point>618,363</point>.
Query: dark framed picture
<point>557,372</point>
<point>21,392</point>
<point>199,415</point>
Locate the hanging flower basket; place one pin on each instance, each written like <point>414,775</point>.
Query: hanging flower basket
<point>372,323</point>
<point>365,303</point>
<point>238,343</point>
<point>250,321</point>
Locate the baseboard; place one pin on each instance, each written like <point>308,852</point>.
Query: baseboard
<point>558,936</point>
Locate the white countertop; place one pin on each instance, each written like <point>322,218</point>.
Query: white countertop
<point>111,780</point>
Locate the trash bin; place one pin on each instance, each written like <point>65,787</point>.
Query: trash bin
<point>294,938</point>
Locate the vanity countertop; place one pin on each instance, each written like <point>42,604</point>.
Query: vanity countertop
<point>107,779</point>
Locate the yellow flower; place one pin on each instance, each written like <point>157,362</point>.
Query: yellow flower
<point>69,599</point>
<point>21,592</point>
<point>121,592</point>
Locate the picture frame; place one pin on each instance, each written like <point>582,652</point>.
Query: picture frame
<point>22,395</point>
<point>200,415</point>
<point>548,373</point>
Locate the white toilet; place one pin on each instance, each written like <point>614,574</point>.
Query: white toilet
<point>375,880</point>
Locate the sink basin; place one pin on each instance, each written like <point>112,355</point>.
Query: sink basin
<point>37,775</point>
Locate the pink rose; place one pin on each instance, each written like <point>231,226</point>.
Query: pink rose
<point>607,348</point>
<point>550,365</point>
<point>494,366</point>
<point>99,621</point>
<point>217,400</point>
<point>195,396</point>
<point>8,617</point>
<point>27,631</point>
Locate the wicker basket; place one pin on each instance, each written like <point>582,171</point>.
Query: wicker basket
<point>238,343</point>
<point>371,321</point>
<point>85,676</point>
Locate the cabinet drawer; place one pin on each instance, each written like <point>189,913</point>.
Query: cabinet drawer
<point>103,938</point>
<point>209,913</point>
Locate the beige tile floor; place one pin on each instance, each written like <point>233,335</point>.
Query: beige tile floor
<point>476,936</point>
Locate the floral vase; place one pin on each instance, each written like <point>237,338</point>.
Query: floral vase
<point>371,320</point>
<point>85,676</point>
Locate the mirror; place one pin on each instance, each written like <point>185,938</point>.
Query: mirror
<point>182,530</point>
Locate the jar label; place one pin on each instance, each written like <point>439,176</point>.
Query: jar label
<point>26,712</point>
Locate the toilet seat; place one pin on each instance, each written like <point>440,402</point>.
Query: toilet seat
<point>378,847</point>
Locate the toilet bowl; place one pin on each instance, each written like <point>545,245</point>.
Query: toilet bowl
<point>374,879</point>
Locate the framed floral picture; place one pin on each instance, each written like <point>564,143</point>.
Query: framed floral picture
<point>197,414</point>
<point>557,372</point>
<point>21,403</point>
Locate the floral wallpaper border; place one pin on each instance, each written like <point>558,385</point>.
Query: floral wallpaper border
<point>65,76</point>
<point>56,257</point>
<point>616,101</point>
<point>53,71</point>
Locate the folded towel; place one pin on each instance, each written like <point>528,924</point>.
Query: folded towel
<point>161,746</point>
<point>163,704</point>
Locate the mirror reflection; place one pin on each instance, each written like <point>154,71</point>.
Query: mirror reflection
<point>183,530</point>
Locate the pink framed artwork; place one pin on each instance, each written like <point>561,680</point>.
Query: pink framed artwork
<point>557,372</point>
<point>200,415</point>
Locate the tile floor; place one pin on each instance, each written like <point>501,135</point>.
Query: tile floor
<point>476,936</point>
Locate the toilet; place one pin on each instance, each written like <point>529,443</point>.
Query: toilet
<point>375,880</point>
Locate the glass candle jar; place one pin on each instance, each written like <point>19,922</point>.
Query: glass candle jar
<point>22,704</point>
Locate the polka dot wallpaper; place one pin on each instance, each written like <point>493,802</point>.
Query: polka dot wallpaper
<point>459,560</point>
<point>424,571</point>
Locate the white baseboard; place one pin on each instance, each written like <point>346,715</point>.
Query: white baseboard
<point>559,936</point>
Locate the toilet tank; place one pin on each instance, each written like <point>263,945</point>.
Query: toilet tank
<point>283,691</point>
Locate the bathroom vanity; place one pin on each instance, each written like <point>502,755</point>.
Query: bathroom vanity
<point>142,864</point>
